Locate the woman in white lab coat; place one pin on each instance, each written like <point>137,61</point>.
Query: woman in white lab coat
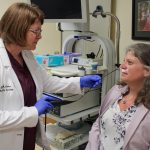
<point>22,80</point>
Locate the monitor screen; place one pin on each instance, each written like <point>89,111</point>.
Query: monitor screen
<point>63,10</point>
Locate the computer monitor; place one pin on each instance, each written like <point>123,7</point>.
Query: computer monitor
<point>73,11</point>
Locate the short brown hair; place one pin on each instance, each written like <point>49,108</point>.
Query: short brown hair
<point>16,21</point>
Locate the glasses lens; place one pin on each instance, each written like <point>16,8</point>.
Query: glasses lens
<point>36,32</point>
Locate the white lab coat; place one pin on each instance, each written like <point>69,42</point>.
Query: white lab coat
<point>14,116</point>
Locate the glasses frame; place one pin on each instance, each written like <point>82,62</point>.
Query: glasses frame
<point>36,32</point>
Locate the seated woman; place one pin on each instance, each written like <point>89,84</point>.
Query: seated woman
<point>124,116</point>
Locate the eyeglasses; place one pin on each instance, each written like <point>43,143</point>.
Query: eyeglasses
<point>36,32</point>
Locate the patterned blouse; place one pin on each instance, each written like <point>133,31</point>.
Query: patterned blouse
<point>114,124</point>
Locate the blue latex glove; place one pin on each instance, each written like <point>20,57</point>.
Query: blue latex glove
<point>44,104</point>
<point>90,81</point>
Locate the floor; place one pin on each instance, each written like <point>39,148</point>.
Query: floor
<point>79,148</point>
<point>38,148</point>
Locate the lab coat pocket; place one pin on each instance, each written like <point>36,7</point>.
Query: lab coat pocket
<point>11,140</point>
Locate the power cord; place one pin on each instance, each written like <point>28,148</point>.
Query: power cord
<point>45,121</point>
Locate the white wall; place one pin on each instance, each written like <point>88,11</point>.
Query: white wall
<point>50,42</point>
<point>100,25</point>
<point>6,3</point>
<point>124,13</point>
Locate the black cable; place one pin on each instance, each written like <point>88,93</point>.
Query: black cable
<point>45,120</point>
<point>90,89</point>
<point>110,73</point>
<point>99,51</point>
<point>65,102</point>
<point>73,46</point>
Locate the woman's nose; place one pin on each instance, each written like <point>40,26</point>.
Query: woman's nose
<point>40,36</point>
<point>123,66</point>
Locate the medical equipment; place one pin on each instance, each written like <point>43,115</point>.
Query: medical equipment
<point>107,64</point>
<point>106,69</point>
<point>58,11</point>
<point>57,103</point>
<point>99,11</point>
<point>45,103</point>
<point>83,106</point>
<point>77,103</point>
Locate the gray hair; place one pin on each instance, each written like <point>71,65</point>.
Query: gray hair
<point>142,52</point>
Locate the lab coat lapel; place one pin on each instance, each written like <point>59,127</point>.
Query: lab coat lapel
<point>32,69</point>
<point>7,67</point>
<point>140,113</point>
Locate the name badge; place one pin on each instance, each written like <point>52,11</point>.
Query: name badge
<point>6,88</point>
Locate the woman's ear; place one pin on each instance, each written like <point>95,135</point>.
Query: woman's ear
<point>147,72</point>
